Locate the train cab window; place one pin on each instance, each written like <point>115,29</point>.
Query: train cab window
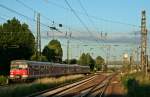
<point>14,66</point>
<point>19,66</point>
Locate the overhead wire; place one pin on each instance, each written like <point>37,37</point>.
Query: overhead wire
<point>28,7</point>
<point>89,18</point>
<point>3,18</point>
<point>20,14</point>
<point>80,20</point>
<point>94,17</point>
<point>25,5</point>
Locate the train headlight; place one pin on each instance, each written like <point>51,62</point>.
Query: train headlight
<point>11,73</point>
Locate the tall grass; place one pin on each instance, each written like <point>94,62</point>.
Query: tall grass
<point>62,79</point>
<point>38,85</point>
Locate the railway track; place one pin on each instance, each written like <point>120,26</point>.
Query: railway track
<point>92,87</point>
<point>52,92</point>
<point>98,90</point>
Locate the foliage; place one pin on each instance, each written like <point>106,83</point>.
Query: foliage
<point>71,61</point>
<point>86,59</point>
<point>39,58</point>
<point>99,62</point>
<point>16,42</point>
<point>82,60</point>
<point>90,61</point>
<point>53,51</point>
<point>136,85</point>
<point>3,80</point>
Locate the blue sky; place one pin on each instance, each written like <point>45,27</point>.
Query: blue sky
<point>114,17</point>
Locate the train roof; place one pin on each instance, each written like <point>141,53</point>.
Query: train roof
<point>27,61</point>
<point>46,63</point>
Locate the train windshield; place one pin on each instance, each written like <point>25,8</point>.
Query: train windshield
<point>18,66</point>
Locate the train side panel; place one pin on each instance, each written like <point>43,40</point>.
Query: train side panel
<point>33,69</point>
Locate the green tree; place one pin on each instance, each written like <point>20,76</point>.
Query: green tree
<point>39,58</point>
<point>99,62</point>
<point>86,59</point>
<point>16,42</point>
<point>90,61</point>
<point>71,61</point>
<point>53,51</point>
<point>82,60</point>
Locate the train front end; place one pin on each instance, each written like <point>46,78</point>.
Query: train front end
<point>18,70</point>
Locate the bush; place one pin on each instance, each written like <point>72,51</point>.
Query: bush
<point>3,80</point>
<point>136,85</point>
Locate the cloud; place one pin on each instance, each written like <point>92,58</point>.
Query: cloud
<point>121,38</point>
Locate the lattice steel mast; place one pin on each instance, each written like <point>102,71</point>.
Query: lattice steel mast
<point>143,42</point>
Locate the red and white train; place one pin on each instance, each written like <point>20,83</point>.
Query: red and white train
<point>23,69</point>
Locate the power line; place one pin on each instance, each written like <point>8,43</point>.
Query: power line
<point>89,18</point>
<point>11,10</point>
<point>28,7</point>
<point>25,5</point>
<point>94,17</point>
<point>3,18</point>
<point>73,11</point>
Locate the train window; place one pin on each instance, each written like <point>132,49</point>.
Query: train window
<point>22,66</point>
<point>14,66</point>
<point>18,66</point>
<point>36,67</point>
<point>42,67</point>
<point>47,67</point>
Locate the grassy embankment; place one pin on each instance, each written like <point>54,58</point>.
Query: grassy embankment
<point>137,84</point>
<point>38,85</point>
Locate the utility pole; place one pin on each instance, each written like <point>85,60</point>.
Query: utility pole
<point>137,58</point>
<point>68,51</point>
<point>143,42</point>
<point>108,55</point>
<point>38,38</point>
<point>131,62</point>
<point>53,29</point>
<point>68,41</point>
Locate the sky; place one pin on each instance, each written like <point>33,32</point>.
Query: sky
<point>96,25</point>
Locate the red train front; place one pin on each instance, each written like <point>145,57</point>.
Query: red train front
<point>18,70</point>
